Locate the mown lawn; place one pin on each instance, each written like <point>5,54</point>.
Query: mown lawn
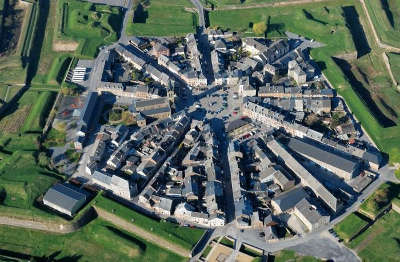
<point>36,118</point>
<point>386,19</point>
<point>288,255</point>
<point>380,242</point>
<point>162,18</point>
<point>394,60</point>
<point>380,199</point>
<point>349,226</point>
<point>329,27</point>
<point>183,236</point>
<point>97,241</point>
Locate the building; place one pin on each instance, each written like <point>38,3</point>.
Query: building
<point>115,184</point>
<point>86,115</point>
<point>305,177</point>
<point>310,215</point>
<point>126,53</point>
<point>286,201</point>
<point>337,164</point>
<point>163,206</point>
<point>157,108</point>
<point>64,198</point>
<point>239,127</point>
<point>295,72</point>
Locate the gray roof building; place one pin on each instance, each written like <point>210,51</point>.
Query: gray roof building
<point>64,198</point>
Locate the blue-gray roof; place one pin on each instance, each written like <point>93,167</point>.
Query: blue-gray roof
<point>87,110</point>
<point>64,196</point>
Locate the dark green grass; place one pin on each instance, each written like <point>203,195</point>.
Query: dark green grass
<point>36,119</point>
<point>380,199</point>
<point>380,242</point>
<point>163,18</point>
<point>394,60</point>
<point>98,241</point>
<point>386,19</point>
<point>349,226</point>
<point>183,236</point>
<point>289,255</point>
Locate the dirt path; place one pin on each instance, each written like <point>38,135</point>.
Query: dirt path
<point>366,241</point>
<point>36,225</point>
<point>141,232</point>
<point>276,4</point>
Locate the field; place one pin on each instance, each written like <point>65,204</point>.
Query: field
<point>182,236</point>
<point>394,60</point>
<point>88,25</point>
<point>98,241</point>
<point>288,255</point>
<point>162,18</point>
<point>380,242</point>
<point>325,22</point>
<point>385,15</point>
<point>350,226</point>
<point>380,199</point>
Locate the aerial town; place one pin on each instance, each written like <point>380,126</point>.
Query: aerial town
<point>243,130</point>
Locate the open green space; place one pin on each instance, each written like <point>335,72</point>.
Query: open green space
<point>325,23</point>
<point>350,226</point>
<point>36,119</point>
<point>97,241</point>
<point>385,15</point>
<point>380,242</point>
<point>90,24</point>
<point>289,255</point>
<point>162,18</point>
<point>81,24</point>
<point>227,242</point>
<point>183,236</point>
<point>394,60</point>
<point>380,199</point>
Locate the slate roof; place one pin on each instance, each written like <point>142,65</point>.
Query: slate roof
<point>64,196</point>
<point>289,199</point>
<point>322,155</point>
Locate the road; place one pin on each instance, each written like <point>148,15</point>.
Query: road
<point>200,10</point>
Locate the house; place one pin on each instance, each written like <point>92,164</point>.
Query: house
<point>288,200</point>
<point>341,166</point>
<point>295,72</point>
<point>253,46</point>
<point>115,184</point>
<point>164,206</point>
<point>310,215</point>
<point>64,198</point>
<point>160,49</point>
<point>239,127</point>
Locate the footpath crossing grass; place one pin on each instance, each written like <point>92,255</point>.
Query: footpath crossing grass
<point>183,236</point>
<point>97,241</point>
<point>162,18</point>
<point>385,15</point>
<point>380,242</point>
<point>350,226</point>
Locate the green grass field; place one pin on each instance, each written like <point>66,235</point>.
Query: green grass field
<point>380,242</point>
<point>380,199</point>
<point>35,121</point>
<point>288,255</point>
<point>162,18</point>
<point>329,27</point>
<point>182,236</point>
<point>386,20</point>
<point>394,60</point>
<point>223,3</point>
<point>349,226</point>
<point>98,241</point>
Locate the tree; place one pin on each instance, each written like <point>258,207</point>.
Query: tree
<point>260,28</point>
<point>43,159</point>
